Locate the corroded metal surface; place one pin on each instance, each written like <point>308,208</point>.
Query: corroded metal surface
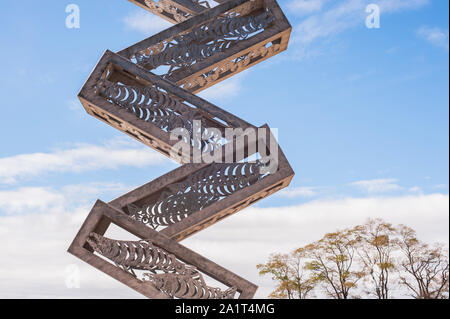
<point>166,7</point>
<point>202,42</point>
<point>167,273</point>
<point>147,108</point>
<point>197,191</point>
<point>151,104</point>
<point>173,11</point>
<point>214,44</point>
<point>155,266</point>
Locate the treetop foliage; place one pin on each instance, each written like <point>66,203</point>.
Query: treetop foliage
<point>373,260</point>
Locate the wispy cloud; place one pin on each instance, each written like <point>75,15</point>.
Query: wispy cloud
<point>38,200</point>
<point>329,22</point>
<point>38,226</point>
<point>74,105</point>
<point>372,187</point>
<point>392,6</point>
<point>434,35</point>
<point>305,6</point>
<point>80,158</point>
<point>327,19</point>
<point>30,199</point>
<point>416,190</point>
<point>229,88</point>
<point>305,192</point>
<point>45,236</point>
<point>377,185</point>
<point>145,22</point>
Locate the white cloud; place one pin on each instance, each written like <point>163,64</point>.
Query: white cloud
<point>228,88</point>
<point>74,105</point>
<point>416,189</point>
<point>339,16</point>
<point>298,192</point>
<point>145,22</point>
<point>81,158</point>
<point>30,199</point>
<point>305,6</point>
<point>436,36</point>
<point>392,6</point>
<point>386,6</point>
<point>258,232</point>
<point>91,190</point>
<point>330,22</point>
<point>37,200</point>
<point>35,260</point>
<point>377,185</point>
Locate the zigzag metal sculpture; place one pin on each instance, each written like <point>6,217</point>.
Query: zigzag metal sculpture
<point>177,280</point>
<point>207,46</point>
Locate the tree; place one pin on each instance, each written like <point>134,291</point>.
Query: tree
<point>278,268</point>
<point>332,262</point>
<point>426,268</point>
<point>376,250</point>
<point>375,253</point>
<point>289,273</point>
<point>302,281</point>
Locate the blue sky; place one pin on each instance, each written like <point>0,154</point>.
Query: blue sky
<point>362,115</point>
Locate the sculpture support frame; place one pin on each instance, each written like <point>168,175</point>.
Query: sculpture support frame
<point>102,211</point>
<point>214,213</point>
<point>128,123</point>
<point>173,11</point>
<point>208,46</point>
<point>222,65</point>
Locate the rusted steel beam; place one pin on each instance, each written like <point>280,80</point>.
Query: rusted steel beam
<point>215,44</point>
<point>196,196</point>
<point>148,107</point>
<point>173,271</point>
<point>174,11</point>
